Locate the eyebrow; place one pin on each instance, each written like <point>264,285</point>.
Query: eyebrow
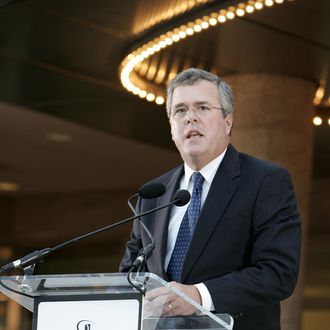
<point>194,104</point>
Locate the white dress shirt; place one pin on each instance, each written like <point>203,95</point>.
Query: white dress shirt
<point>177,214</point>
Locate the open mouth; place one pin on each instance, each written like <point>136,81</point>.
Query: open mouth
<point>193,133</point>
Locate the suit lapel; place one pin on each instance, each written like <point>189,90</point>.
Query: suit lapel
<point>221,191</point>
<point>162,218</point>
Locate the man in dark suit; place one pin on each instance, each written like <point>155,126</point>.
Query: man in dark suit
<point>236,248</point>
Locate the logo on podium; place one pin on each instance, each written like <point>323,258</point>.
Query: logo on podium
<point>85,325</point>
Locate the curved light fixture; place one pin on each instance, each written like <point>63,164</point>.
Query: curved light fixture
<point>154,93</point>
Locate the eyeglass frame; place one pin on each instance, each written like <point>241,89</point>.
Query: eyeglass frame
<point>194,109</point>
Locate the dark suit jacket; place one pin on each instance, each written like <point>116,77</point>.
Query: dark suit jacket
<point>246,244</point>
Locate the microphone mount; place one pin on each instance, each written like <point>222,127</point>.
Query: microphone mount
<point>29,261</point>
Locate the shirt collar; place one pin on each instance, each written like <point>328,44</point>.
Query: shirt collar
<point>208,171</point>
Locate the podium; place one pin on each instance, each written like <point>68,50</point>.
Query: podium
<point>104,301</point>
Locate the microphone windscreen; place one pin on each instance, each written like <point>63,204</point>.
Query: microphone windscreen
<point>152,190</point>
<point>182,197</point>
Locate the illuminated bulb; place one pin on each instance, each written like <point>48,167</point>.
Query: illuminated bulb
<point>175,37</point>
<point>317,121</point>
<point>222,18</point>
<point>249,9</point>
<point>168,41</point>
<point>128,86</point>
<point>230,15</point>
<point>138,58</point>
<point>182,34</point>
<point>136,90</point>
<point>240,12</point>
<point>197,28</point>
<point>156,48</point>
<point>329,121</point>
<point>142,94</point>
<point>190,31</point>
<point>160,100</point>
<point>150,97</point>
<point>204,25</point>
<point>135,61</point>
<point>213,21</point>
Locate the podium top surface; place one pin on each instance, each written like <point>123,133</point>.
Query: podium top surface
<point>25,289</point>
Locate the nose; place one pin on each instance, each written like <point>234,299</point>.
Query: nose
<point>191,115</point>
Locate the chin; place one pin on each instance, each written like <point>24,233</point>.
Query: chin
<point>194,152</point>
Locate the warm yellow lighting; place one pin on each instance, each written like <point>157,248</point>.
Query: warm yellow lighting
<point>168,41</point>
<point>138,60</point>
<point>182,34</point>
<point>136,90</point>
<point>144,68</point>
<point>175,38</point>
<point>129,87</point>
<point>222,18</point>
<point>204,25</point>
<point>329,121</point>
<point>317,121</point>
<point>151,72</point>
<point>171,75</point>
<point>269,3</point>
<point>320,92</point>
<point>249,9</point>
<point>150,97</point>
<point>156,48</point>
<point>9,186</point>
<point>197,28</point>
<point>213,21</point>
<point>240,12</point>
<point>160,100</point>
<point>230,15</point>
<point>150,51</point>
<point>319,95</point>
<point>142,94</point>
<point>160,76</point>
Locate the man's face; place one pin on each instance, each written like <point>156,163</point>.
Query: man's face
<point>200,136</point>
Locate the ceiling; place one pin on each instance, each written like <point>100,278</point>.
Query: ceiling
<point>67,124</point>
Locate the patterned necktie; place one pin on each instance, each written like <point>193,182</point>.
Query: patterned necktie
<point>186,229</point>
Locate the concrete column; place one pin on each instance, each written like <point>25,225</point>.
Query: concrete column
<point>273,121</point>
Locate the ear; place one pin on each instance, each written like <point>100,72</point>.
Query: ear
<point>229,123</point>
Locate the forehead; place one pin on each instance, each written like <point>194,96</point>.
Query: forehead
<point>202,91</point>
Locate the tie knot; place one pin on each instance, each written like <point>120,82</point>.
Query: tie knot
<point>198,180</point>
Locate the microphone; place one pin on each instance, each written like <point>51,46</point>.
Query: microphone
<point>27,260</point>
<point>151,190</point>
<point>180,198</point>
<point>148,191</point>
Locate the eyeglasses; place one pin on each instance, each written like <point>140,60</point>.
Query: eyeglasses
<point>181,111</point>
